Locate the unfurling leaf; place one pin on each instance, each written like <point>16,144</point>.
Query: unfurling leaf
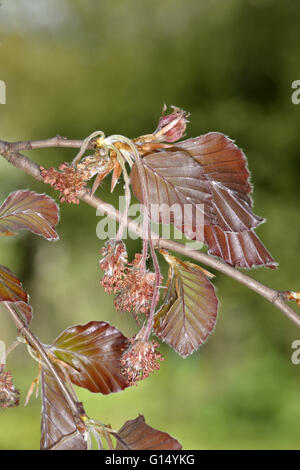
<point>189,312</point>
<point>207,177</point>
<point>27,210</point>
<point>58,427</point>
<point>90,355</point>
<point>137,435</point>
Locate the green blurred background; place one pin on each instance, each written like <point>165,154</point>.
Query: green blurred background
<point>72,67</point>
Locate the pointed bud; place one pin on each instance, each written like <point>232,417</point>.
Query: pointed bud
<point>171,127</point>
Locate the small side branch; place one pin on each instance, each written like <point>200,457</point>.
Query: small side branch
<point>35,344</point>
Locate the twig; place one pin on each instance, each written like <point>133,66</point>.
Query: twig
<point>12,347</point>
<point>32,340</point>
<point>57,141</point>
<point>8,150</point>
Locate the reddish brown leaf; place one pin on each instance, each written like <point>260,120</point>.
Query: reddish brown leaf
<point>27,210</point>
<point>11,289</point>
<point>175,178</point>
<point>137,435</point>
<point>209,174</point>
<point>91,354</point>
<point>243,249</point>
<point>189,312</point>
<point>58,428</point>
<point>222,161</point>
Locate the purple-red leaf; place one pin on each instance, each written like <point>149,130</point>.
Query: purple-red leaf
<point>137,435</point>
<point>58,428</point>
<point>27,210</point>
<point>209,176</point>
<point>91,356</point>
<point>11,289</point>
<point>189,312</point>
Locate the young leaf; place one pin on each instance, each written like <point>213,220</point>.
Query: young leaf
<point>189,312</point>
<point>209,175</point>
<point>91,356</point>
<point>27,210</point>
<point>137,435</point>
<point>11,289</point>
<point>58,427</point>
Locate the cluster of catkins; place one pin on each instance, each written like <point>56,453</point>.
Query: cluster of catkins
<point>68,181</point>
<point>9,395</point>
<point>133,285</point>
<point>140,359</point>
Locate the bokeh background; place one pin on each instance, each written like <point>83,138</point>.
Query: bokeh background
<point>72,67</point>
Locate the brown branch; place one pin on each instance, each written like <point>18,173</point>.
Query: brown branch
<point>9,152</point>
<point>22,162</point>
<point>57,141</point>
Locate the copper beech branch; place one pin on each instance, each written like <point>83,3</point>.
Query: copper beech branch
<point>11,152</point>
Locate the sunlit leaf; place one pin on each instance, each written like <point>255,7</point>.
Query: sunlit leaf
<point>27,210</point>
<point>189,312</point>
<point>137,435</point>
<point>208,175</point>
<point>58,427</point>
<point>91,355</point>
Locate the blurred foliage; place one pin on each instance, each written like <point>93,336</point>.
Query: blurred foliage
<point>72,67</point>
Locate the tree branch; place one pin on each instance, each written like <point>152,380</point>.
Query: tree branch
<point>57,141</point>
<point>10,151</point>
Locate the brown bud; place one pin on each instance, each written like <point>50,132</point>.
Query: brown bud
<point>171,127</point>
